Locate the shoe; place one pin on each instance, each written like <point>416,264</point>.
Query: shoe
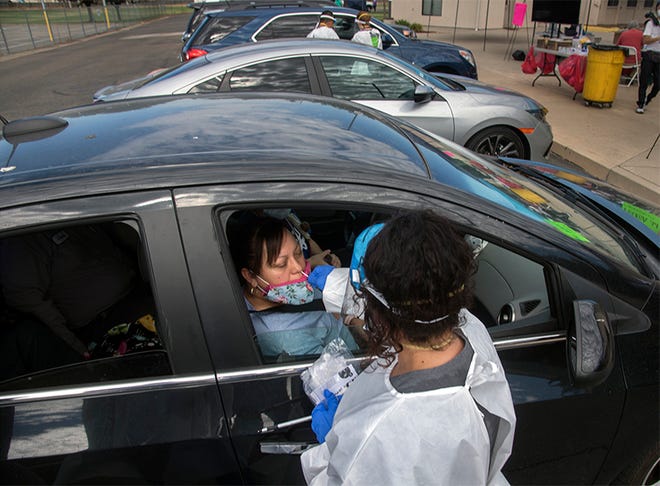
<point>639,110</point>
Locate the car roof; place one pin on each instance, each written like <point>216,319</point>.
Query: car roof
<point>117,146</point>
<point>291,46</point>
<point>295,44</point>
<point>272,10</point>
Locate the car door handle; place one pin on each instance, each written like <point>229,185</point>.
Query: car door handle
<point>286,447</point>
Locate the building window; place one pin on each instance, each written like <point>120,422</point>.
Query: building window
<point>432,7</point>
<point>632,3</point>
<point>648,3</point>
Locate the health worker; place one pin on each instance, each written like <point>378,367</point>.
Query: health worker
<point>434,407</point>
<point>325,28</point>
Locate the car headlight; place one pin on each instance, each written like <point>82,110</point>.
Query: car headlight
<point>538,112</point>
<point>467,55</point>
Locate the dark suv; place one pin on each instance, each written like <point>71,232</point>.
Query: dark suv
<point>201,8</point>
<point>260,22</point>
<point>566,283</point>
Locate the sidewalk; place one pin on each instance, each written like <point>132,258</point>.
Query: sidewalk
<point>613,144</point>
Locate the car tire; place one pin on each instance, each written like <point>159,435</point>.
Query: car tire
<point>644,471</point>
<point>498,141</point>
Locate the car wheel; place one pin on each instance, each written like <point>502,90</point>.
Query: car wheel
<point>644,471</point>
<point>498,141</point>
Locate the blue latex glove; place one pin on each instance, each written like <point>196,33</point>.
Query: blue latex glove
<point>319,275</point>
<point>323,415</point>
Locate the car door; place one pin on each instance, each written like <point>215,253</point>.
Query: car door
<point>381,86</point>
<point>563,432</point>
<point>144,408</point>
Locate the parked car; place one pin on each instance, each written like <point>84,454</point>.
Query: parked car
<point>486,119</point>
<point>201,8</point>
<point>405,30</point>
<point>263,22</point>
<point>567,285</point>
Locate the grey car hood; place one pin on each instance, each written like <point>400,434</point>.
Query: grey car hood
<point>488,94</point>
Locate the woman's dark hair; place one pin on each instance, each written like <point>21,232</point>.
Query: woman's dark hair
<point>423,268</point>
<point>248,243</point>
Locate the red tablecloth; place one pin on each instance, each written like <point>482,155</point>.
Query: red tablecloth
<point>572,69</point>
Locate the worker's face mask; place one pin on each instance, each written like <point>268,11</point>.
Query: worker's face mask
<point>294,292</point>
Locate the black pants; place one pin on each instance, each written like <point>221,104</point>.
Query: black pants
<point>650,70</point>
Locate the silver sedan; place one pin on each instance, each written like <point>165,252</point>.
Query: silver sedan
<point>483,118</point>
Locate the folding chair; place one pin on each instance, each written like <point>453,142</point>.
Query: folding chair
<point>635,66</point>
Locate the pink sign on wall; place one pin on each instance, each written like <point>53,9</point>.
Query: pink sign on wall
<point>519,10</point>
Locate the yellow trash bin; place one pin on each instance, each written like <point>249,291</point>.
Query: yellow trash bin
<point>601,80</point>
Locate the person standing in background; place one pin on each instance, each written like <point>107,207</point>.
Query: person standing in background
<point>367,35</point>
<point>325,28</point>
<point>650,60</point>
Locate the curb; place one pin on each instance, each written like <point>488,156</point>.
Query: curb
<point>618,176</point>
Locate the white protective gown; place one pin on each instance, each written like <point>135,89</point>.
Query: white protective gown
<point>369,37</point>
<point>437,437</point>
<point>323,32</point>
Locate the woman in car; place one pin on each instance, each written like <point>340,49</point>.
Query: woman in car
<point>287,313</point>
<point>435,406</point>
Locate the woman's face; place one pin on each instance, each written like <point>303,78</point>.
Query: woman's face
<point>288,265</point>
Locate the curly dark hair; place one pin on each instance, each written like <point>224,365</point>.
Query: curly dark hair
<point>423,267</point>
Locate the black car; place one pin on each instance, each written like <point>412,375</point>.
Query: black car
<point>259,22</point>
<point>567,285</point>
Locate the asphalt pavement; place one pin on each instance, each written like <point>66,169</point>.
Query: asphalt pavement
<point>614,144</point>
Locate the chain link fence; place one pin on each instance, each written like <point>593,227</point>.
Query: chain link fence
<point>26,26</point>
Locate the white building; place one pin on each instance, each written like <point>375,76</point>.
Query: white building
<point>473,13</point>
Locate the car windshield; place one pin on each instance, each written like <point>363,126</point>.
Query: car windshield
<point>461,168</point>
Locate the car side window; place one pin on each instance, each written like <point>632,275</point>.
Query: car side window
<point>217,28</point>
<point>286,331</point>
<point>362,79</point>
<point>345,27</point>
<point>510,290</point>
<point>288,26</point>
<point>209,86</point>
<point>280,75</point>
<point>77,296</point>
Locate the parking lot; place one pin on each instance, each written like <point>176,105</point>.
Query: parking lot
<point>614,144</point>
<point>176,182</point>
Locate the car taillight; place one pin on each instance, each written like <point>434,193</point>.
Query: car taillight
<point>193,53</point>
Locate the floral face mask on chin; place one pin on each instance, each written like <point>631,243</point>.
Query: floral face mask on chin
<point>293,292</point>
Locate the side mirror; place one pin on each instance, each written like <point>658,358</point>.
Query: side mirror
<point>185,36</point>
<point>386,39</point>
<point>423,94</point>
<point>590,344</point>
